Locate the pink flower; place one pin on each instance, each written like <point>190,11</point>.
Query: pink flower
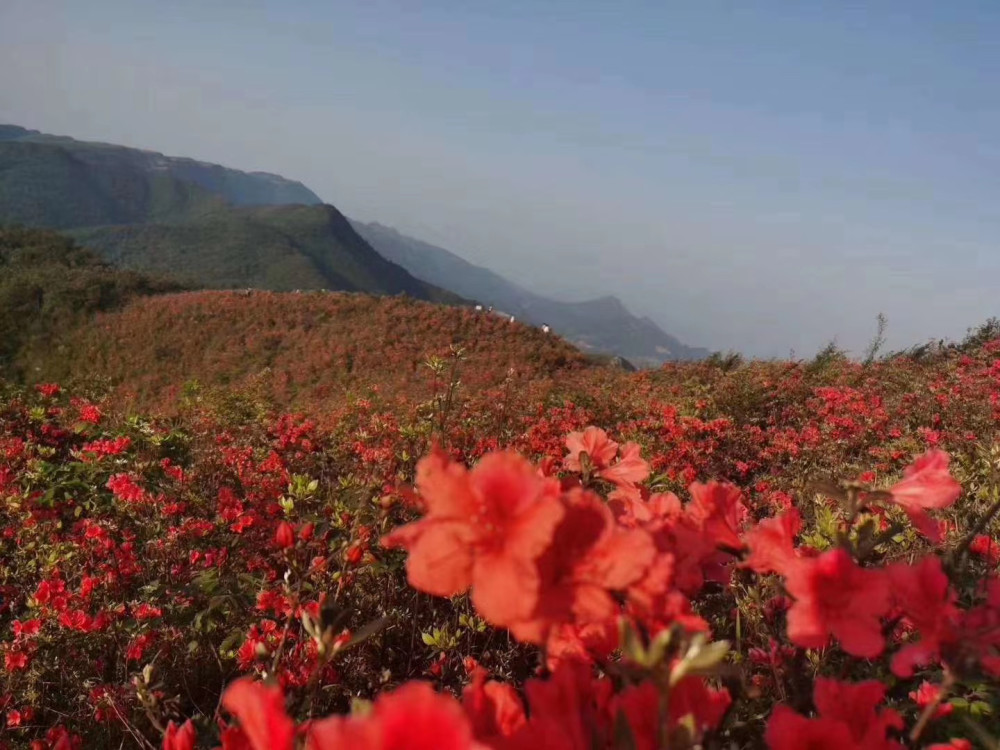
<point>595,443</point>
<point>926,484</point>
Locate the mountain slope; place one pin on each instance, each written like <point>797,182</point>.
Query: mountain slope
<point>280,248</point>
<point>60,182</point>
<point>48,285</point>
<point>306,350</point>
<point>600,325</point>
<point>200,223</point>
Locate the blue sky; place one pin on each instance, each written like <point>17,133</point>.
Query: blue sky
<point>763,176</point>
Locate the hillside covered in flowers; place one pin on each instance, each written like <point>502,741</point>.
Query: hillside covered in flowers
<point>468,536</point>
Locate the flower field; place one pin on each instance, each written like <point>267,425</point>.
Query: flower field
<point>719,555</point>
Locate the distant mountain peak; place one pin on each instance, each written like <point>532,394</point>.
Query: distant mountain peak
<point>603,324</point>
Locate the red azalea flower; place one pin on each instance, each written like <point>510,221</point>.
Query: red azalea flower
<point>495,709</point>
<point>595,443</point>
<point>590,555</point>
<point>179,738</point>
<point>923,593</point>
<point>413,717</point>
<point>834,596</point>
<point>772,543</point>
<point>691,700</point>
<point>926,695</point>
<point>483,528</point>
<point>986,547</point>
<point>629,469</point>
<point>926,484</point>
<point>717,510</point>
<point>261,713</point>
<point>848,717</point>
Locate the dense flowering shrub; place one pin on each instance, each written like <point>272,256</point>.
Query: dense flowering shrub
<point>772,556</point>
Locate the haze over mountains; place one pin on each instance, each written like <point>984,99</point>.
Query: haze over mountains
<point>598,325</point>
<point>207,225</point>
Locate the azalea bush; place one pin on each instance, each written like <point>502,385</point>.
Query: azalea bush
<point>777,557</point>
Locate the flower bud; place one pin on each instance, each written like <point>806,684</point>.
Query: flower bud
<point>284,536</point>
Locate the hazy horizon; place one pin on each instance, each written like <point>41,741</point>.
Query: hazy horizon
<point>762,179</point>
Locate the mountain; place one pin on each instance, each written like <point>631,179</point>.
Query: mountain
<point>100,183</point>
<point>280,248</point>
<point>202,224</point>
<point>599,325</point>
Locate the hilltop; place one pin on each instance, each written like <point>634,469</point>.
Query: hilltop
<point>599,325</point>
<point>308,350</point>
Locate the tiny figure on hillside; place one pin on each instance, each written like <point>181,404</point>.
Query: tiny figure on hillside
<point>545,328</point>
<point>511,318</point>
<point>479,308</point>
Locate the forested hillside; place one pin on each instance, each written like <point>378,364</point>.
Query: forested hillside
<point>48,286</point>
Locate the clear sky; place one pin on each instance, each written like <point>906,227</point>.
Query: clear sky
<point>763,176</point>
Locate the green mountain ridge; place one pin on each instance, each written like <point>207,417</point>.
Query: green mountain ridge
<point>279,248</point>
<point>198,223</point>
<point>235,186</point>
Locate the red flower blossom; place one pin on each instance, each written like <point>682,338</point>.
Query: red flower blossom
<point>848,717</point>
<point>484,528</point>
<point>569,711</point>
<point>179,738</point>
<point>927,694</point>
<point>413,717</point>
<point>629,469</point>
<point>923,593</point>
<point>16,660</point>
<point>261,713</point>
<point>717,510</point>
<point>834,596</point>
<point>986,547</point>
<point>588,557</point>
<point>691,701</point>
<point>772,543</point>
<point>495,709</point>
<point>595,443</point>
<point>926,484</point>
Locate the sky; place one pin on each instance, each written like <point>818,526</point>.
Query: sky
<point>759,176</point>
